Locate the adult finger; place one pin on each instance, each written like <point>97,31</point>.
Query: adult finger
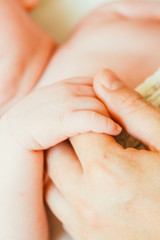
<point>91,147</point>
<point>59,205</point>
<point>129,108</point>
<point>64,169</point>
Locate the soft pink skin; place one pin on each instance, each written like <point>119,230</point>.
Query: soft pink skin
<point>24,49</point>
<point>89,49</point>
<point>107,192</point>
<point>27,176</point>
<point>23,214</point>
<point>119,36</point>
<point>63,109</point>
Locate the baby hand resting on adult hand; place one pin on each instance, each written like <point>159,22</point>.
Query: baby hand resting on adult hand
<point>40,120</point>
<point>54,113</point>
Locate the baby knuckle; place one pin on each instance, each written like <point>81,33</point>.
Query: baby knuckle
<point>108,123</point>
<point>65,125</point>
<point>100,107</point>
<point>94,118</point>
<point>65,89</point>
<point>113,175</point>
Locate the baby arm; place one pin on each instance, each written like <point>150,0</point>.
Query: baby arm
<point>22,211</point>
<point>42,119</point>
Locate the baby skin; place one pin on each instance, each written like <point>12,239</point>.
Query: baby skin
<point>120,36</point>
<point>24,49</point>
<point>26,138</point>
<point>63,110</point>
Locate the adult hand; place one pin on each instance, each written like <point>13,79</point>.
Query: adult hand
<point>111,193</point>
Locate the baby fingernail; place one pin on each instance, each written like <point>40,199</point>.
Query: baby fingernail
<point>118,128</point>
<point>109,80</point>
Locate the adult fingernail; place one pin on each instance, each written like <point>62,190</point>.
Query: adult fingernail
<point>109,80</point>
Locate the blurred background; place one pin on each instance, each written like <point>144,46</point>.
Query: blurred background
<point>58,17</point>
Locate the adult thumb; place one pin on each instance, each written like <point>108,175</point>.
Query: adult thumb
<point>139,118</point>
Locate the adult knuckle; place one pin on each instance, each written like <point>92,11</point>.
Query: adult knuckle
<point>133,103</point>
<point>89,214</point>
<point>100,175</point>
<point>117,170</point>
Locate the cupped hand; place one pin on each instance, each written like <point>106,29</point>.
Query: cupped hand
<point>102,191</point>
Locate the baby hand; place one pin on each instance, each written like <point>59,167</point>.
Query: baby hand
<point>54,113</point>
